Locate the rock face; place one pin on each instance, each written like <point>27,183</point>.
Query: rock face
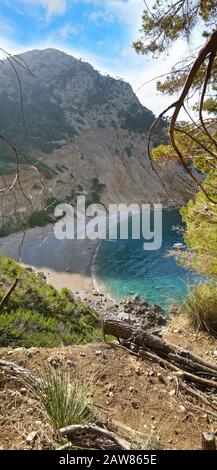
<point>86,131</point>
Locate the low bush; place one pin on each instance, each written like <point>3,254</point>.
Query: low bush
<point>200,306</point>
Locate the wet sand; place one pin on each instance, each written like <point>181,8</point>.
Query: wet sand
<point>65,263</point>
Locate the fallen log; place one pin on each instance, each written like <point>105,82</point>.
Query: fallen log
<point>177,358</point>
<point>69,431</point>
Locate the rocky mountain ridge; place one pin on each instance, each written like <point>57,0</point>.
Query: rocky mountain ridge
<point>87,132</point>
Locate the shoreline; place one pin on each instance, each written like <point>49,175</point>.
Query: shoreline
<point>65,263</point>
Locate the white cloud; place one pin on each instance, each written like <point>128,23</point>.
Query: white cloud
<point>129,12</point>
<point>126,11</point>
<point>52,7</point>
<point>6,26</point>
<point>96,16</point>
<point>67,31</point>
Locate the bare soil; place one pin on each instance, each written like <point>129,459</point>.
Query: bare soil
<point>138,393</point>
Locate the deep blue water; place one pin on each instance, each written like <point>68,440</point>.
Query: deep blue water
<point>124,268</point>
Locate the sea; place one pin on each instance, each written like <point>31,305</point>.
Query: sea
<point>123,268</point>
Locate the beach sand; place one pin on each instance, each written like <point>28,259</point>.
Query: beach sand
<point>65,263</point>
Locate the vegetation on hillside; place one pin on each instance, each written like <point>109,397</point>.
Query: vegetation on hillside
<point>36,314</point>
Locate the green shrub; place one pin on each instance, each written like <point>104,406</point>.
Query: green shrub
<point>39,218</point>
<point>36,314</point>
<point>128,151</point>
<point>200,306</point>
<point>8,228</point>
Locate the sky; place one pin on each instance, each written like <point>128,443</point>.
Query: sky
<point>99,31</point>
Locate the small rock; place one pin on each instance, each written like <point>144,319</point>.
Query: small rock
<point>151,381</point>
<point>98,353</point>
<point>215,353</point>
<point>15,351</point>
<point>23,391</point>
<point>172,393</point>
<point>135,405</point>
<point>108,402</point>
<point>161,378</point>
<point>32,351</point>
<point>131,389</point>
<point>110,387</point>
<point>96,293</point>
<point>70,363</point>
<point>138,371</point>
<point>82,354</point>
<point>31,437</point>
<point>54,362</point>
<point>38,423</point>
<point>182,409</point>
<point>29,411</point>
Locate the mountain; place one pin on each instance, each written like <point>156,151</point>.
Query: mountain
<point>86,131</point>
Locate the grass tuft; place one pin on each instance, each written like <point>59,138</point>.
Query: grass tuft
<point>65,398</point>
<point>200,306</point>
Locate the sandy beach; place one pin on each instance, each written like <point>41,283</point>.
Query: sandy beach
<point>65,263</point>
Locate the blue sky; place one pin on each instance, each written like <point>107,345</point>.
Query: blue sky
<point>99,31</point>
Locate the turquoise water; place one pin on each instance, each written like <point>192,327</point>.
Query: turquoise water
<point>124,268</point>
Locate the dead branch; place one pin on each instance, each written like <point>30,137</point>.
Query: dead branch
<point>17,371</point>
<point>67,446</point>
<point>69,431</point>
<point>8,294</point>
